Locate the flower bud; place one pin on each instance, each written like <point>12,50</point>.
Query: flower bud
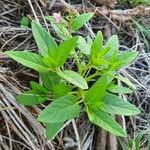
<point>57,17</point>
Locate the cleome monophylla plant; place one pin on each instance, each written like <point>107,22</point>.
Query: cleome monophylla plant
<point>78,74</point>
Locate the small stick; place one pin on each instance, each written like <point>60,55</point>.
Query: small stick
<point>76,134</point>
<point>42,15</point>
<point>29,1</point>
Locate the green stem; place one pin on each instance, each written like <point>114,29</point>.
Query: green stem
<point>79,102</point>
<point>85,69</point>
<point>74,54</point>
<point>93,75</point>
<point>78,62</point>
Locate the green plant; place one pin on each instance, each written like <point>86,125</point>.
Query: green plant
<point>134,2</point>
<point>24,22</point>
<point>146,2</point>
<point>144,31</point>
<point>92,82</point>
<point>137,142</point>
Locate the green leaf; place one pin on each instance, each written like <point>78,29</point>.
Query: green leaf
<point>94,96</point>
<point>80,20</point>
<point>125,58</point>
<point>115,105</point>
<point>28,59</point>
<point>126,80</point>
<point>122,144</point>
<point>105,121</point>
<point>74,78</point>
<point>49,62</point>
<point>64,50</point>
<point>113,44</point>
<point>114,88</point>
<point>110,76</point>
<point>52,129</point>
<point>59,28</point>
<point>96,47</point>
<point>62,31</point>
<point>100,62</point>
<point>38,88</point>
<point>89,40</point>
<point>30,98</point>
<point>104,51</point>
<point>136,2</point>
<point>83,46</point>
<point>130,143</point>
<point>24,22</point>
<point>50,79</point>
<point>137,140</point>
<point>44,40</point>
<point>60,90</point>
<point>52,82</point>
<point>60,110</point>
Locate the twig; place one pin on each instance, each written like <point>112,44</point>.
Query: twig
<point>12,39</point>
<point>9,134</point>
<point>42,15</point>
<point>76,134</point>
<point>30,3</point>
<point>69,7</point>
<point>117,14</point>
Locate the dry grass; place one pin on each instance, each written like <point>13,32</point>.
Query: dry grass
<point>19,128</point>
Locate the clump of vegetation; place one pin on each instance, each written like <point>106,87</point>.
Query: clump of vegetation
<point>134,2</point>
<point>89,85</point>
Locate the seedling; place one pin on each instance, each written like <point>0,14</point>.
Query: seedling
<point>24,22</point>
<point>91,82</point>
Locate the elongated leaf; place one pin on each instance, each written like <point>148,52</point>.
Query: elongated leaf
<point>74,78</point>
<point>100,62</point>
<point>28,59</point>
<point>60,110</point>
<point>95,94</point>
<point>50,79</point>
<point>61,89</point>
<point>30,98</point>
<point>122,144</point>
<point>62,32</point>
<point>130,143</point>
<point>44,40</point>
<point>114,88</point>
<point>60,28</point>
<point>105,121</point>
<point>64,50</point>
<point>96,47</point>
<point>110,78</point>
<point>24,22</point>
<point>38,88</point>
<point>52,129</point>
<point>80,20</point>
<point>125,58</point>
<point>113,44</point>
<point>83,46</point>
<point>89,40</point>
<point>115,105</point>
<point>49,62</point>
<point>137,140</point>
<point>126,80</point>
